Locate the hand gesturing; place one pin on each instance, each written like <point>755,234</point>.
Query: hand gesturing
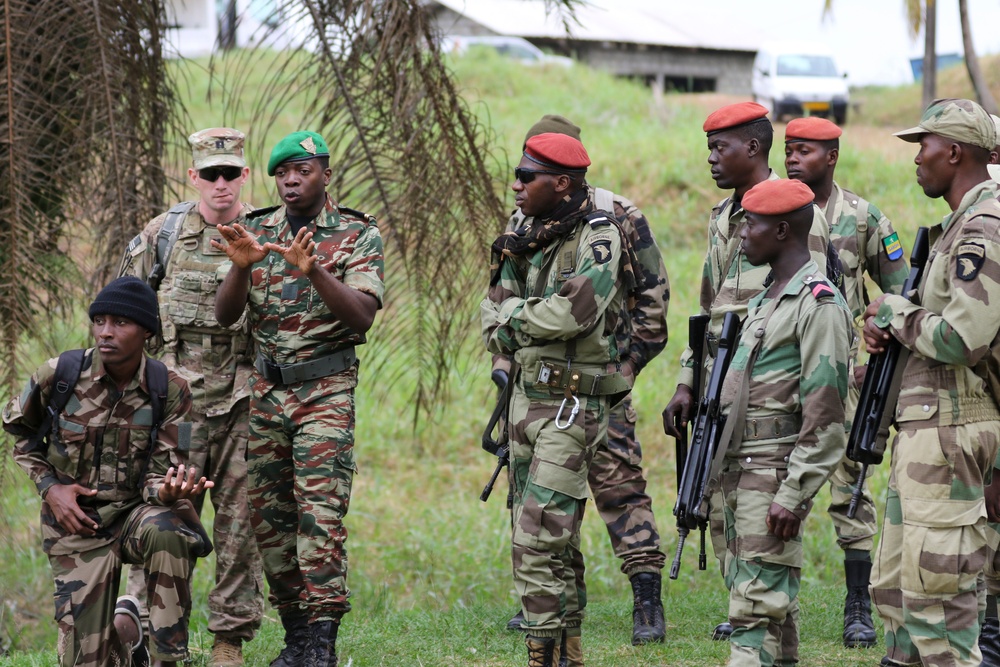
<point>299,253</point>
<point>241,246</point>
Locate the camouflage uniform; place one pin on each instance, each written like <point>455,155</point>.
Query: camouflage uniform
<point>616,478</point>
<point>301,455</point>
<point>791,439</point>
<point>726,286</point>
<point>881,241</point>
<point>216,361</point>
<point>538,313</point>
<point>135,528</point>
<point>934,543</point>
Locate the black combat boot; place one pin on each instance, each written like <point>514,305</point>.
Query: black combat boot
<point>722,631</point>
<point>859,631</point>
<point>989,634</point>
<point>321,651</point>
<point>296,636</point>
<point>647,609</point>
<point>514,624</point>
<point>542,651</point>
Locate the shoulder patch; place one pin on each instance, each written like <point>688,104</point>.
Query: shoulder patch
<point>819,287</point>
<point>134,243</point>
<point>893,248</point>
<point>602,250</point>
<point>259,212</point>
<point>971,257</point>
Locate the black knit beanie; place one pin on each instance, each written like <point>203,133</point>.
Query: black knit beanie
<point>128,297</point>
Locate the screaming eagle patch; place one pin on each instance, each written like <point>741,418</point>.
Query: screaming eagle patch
<point>893,248</point>
<point>970,258</point>
<point>602,250</point>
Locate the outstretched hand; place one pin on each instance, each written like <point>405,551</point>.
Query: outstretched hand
<point>180,484</point>
<point>241,246</point>
<point>299,253</point>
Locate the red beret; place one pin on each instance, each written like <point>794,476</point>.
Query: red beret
<point>812,128</point>
<point>777,197</point>
<point>557,150</point>
<point>732,115</point>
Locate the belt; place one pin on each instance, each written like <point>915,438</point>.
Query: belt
<point>771,428</point>
<point>307,370</point>
<point>556,376</point>
<point>204,339</point>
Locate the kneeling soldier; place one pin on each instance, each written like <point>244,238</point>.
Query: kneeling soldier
<point>784,396</point>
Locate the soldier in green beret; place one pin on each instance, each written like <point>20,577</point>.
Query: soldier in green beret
<point>310,273</point>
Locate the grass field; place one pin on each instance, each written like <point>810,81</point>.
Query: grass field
<point>430,566</point>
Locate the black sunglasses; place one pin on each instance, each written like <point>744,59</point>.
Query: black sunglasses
<point>212,173</point>
<point>528,175</point>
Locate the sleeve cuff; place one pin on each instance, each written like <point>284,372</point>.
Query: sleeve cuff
<point>792,502</point>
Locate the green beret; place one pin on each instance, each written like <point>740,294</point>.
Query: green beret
<point>302,145</point>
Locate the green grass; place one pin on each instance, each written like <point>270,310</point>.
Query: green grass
<point>430,566</point>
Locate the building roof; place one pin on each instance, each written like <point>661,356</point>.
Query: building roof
<point>653,22</point>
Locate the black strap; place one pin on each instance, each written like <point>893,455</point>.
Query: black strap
<point>71,363</point>
<point>166,239</point>
<point>156,383</point>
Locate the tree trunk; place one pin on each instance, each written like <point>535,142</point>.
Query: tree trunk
<point>979,84</point>
<point>930,53</point>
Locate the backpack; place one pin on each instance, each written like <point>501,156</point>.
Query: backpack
<point>68,369</point>
<point>166,239</point>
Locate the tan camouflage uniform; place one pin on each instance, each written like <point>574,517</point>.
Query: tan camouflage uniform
<point>791,439</point>
<point>881,241</point>
<point>216,361</point>
<point>301,456</point>
<point>549,467</point>
<point>934,544</point>
<point>616,476</point>
<point>726,286</point>
<point>101,424</point>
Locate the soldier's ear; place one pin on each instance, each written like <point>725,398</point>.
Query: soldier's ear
<point>753,147</point>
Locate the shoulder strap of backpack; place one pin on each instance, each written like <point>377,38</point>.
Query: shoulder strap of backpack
<point>604,200</point>
<point>170,229</point>
<point>156,382</point>
<point>68,369</point>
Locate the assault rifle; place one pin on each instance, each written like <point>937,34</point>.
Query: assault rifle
<point>870,427</point>
<point>696,468</point>
<point>499,447</point>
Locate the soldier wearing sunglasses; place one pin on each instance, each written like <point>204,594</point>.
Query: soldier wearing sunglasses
<point>175,256</point>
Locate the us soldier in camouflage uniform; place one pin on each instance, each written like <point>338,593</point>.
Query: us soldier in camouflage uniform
<point>311,273</point>
<point>739,140</point>
<point>556,293</point>
<point>616,478</point>
<point>121,510</point>
<point>784,401</point>
<point>989,634</point>
<point>934,545</point>
<point>216,361</point>
<point>812,147</point>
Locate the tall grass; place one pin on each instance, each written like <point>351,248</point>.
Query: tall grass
<point>430,568</point>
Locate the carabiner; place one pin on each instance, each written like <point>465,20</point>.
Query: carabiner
<point>572,414</point>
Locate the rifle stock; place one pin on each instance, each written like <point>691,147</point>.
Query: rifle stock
<point>873,417</point>
<point>707,430</point>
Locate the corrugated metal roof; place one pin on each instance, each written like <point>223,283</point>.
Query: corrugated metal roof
<point>656,22</point>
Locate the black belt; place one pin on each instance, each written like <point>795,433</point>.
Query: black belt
<point>307,370</point>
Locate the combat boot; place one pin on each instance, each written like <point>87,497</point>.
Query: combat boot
<point>989,634</point>
<point>514,624</point>
<point>542,651</point>
<point>859,630</point>
<point>321,651</point>
<point>571,649</point>
<point>226,653</point>
<point>722,632</point>
<point>647,609</point>
<point>296,636</point>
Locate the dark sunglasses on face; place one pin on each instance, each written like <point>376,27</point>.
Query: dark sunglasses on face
<point>212,173</point>
<point>528,175</point>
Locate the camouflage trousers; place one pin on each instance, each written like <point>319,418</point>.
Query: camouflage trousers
<point>619,488</point>
<point>763,573</point>
<point>86,588</point>
<point>548,476</point>
<point>933,548</point>
<point>301,467</point>
<point>236,601</point>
